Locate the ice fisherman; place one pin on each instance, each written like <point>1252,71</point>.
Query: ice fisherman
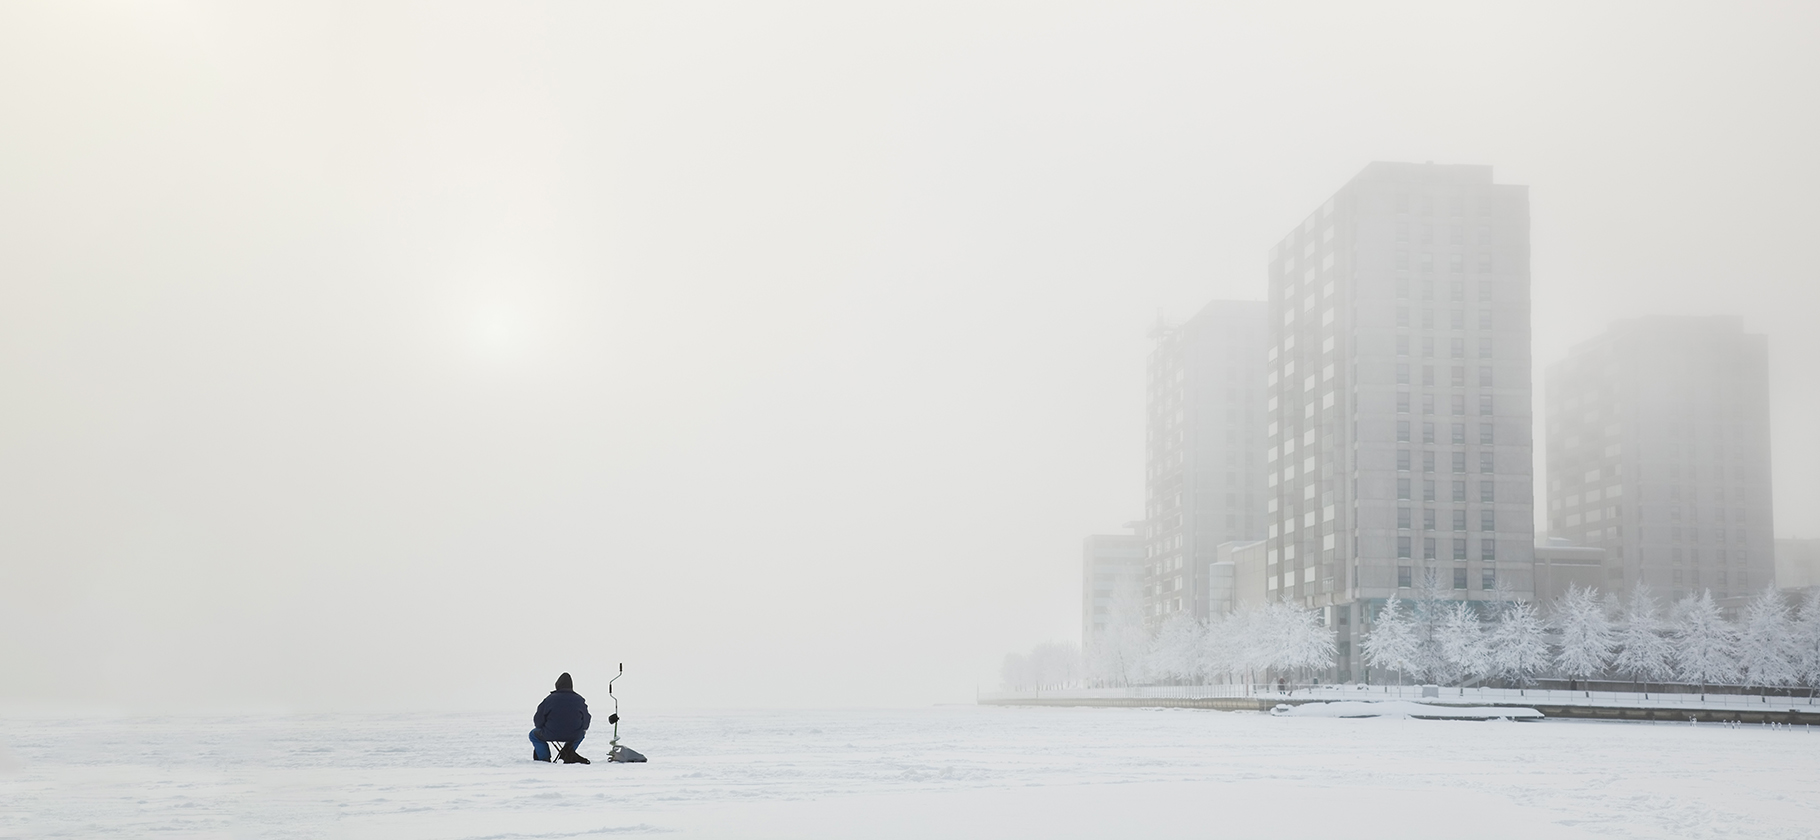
<point>562,716</point>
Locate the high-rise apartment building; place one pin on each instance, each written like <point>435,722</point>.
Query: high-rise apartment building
<point>1112,568</point>
<point>1204,478</point>
<point>1658,452</point>
<point>1399,443</point>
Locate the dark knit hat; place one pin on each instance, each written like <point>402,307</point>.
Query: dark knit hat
<point>563,683</point>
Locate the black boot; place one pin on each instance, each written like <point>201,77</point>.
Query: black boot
<point>570,756</point>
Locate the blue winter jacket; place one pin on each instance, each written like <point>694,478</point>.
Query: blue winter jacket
<point>563,716</point>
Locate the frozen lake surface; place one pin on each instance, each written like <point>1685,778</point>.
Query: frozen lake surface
<point>958,771</point>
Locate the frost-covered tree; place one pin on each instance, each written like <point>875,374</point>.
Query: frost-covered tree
<point>1308,645</point>
<point>1587,636</point>
<point>1223,648</point>
<point>1055,664</point>
<point>1806,631</point>
<point>1015,672</point>
<point>1391,643</point>
<point>1463,644</point>
<point>1048,665</point>
<point>1519,643</point>
<point>1645,653</point>
<point>1117,655</point>
<point>1428,613</point>
<point>1706,645</point>
<point>1175,652</point>
<point>1767,650</point>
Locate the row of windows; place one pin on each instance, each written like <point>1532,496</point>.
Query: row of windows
<point>1430,519</point>
<point>1456,234</point>
<point>1456,318</point>
<point>1456,347</point>
<point>1430,545</point>
<point>1428,461</point>
<point>1457,379</point>
<point>1404,427</point>
<point>1457,436</point>
<point>1486,492</point>
<point>1456,263</point>
<point>1741,555</point>
<point>1488,578</point>
<point>1693,534</point>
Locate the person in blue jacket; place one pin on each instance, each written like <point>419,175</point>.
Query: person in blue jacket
<point>562,716</point>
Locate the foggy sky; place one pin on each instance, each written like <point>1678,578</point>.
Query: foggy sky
<point>403,356</point>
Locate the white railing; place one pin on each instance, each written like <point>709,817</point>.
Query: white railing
<point>1445,695</point>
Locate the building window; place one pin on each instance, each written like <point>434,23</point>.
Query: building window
<point>1428,403</point>
<point>1485,494</point>
<point>1459,549</point>
<point>1488,549</point>
<point>1457,348</point>
<point>1428,461</point>
<point>1403,518</point>
<point>1402,373</point>
<point>1403,431</point>
<point>1484,376</point>
<point>1485,285</point>
<point>1403,460</point>
<point>1459,379</point>
<point>1428,260</point>
<point>1484,405</point>
<point>1403,575</point>
<point>1459,433</point>
<point>1428,490</point>
<point>1428,375</point>
<point>1485,434</point>
<point>1402,345</point>
<point>1485,463</point>
<point>1459,402</point>
<point>1459,524</point>
<point>1428,436</point>
<point>1403,488</point>
<point>1402,402</point>
<point>1459,491</point>
<point>1402,316</point>
<point>1428,519</point>
<point>1488,579</point>
<point>1457,319</point>
<point>1487,521</point>
<point>1428,347</point>
<point>1485,347</point>
<point>1459,462</point>
<point>1403,552</point>
<point>1484,263</point>
<point>1459,287</point>
<point>1428,319</point>
<point>1428,548</point>
<point>1485,319</point>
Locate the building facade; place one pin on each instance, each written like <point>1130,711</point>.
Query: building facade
<point>1112,566</point>
<point>1658,452</point>
<point>1398,374</point>
<point>1204,478</point>
<point>1797,563</point>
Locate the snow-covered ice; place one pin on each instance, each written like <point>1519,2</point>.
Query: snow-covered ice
<point>942,772</point>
